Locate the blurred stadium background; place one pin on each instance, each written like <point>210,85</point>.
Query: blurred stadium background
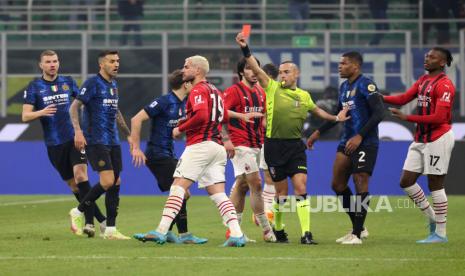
<point>175,29</point>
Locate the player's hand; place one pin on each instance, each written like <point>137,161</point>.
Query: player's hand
<point>342,115</point>
<point>79,140</point>
<point>138,157</point>
<point>229,147</point>
<point>248,117</point>
<point>49,110</point>
<point>240,39</point>
<point>397,113</point>
<point>312,139</point>
<point>353,144</point>
<point>176,133</point>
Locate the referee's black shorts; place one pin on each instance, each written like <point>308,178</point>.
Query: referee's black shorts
<point>285,157</point>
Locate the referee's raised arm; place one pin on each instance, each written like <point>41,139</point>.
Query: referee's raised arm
<point>252,62</point>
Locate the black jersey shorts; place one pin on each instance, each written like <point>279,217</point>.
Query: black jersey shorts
<point>64,157</point>
<point>363,159</point>
<point>163,170</point>
<point>103,158</point>
<point>285,157</point>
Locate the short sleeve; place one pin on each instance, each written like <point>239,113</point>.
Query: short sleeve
<point>198,99</point>
<point>74,88</point>
<point>87,91</point>
<point>445,93</point>
<point>230,97</point>
<point>155,108</point>
<point>367,88</point>
<point>309,102</point>
<point>29,94</point>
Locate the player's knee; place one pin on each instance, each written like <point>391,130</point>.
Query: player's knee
<point>404,183</point>
<point>300,190</point>
<point>107,181</point>
<point>80,177</point>
<point>337,187</point>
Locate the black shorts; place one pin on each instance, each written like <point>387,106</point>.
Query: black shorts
<point>64,157</point>
<point>285,157</point>
<point>163,170</point>
<point>363,159</point>
<point>103,158</point>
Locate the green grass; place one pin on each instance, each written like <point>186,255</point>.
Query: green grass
<point>35,240</point>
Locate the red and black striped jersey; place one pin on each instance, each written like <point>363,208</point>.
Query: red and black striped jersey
<point>435,96</point>
<point>240,98</point>
<point>204,114</point>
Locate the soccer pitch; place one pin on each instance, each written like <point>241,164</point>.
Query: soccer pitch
<point>35,240</point>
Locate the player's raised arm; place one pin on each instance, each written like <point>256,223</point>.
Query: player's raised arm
<point>261,75</point>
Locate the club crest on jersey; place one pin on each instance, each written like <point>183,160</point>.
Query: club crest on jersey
<point>65,87</point>
<point>54,88</point>
<point>353,92</point>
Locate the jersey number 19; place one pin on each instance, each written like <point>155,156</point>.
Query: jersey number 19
<point>217,107</point>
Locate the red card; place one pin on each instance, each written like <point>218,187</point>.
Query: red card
<point>246,30</point>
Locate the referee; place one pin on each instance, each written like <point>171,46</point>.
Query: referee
<point>287,107</point>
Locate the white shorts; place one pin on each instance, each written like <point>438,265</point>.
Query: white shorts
<point>263,164</point>
<point>430,158</point>
<point>245,160</point>
<point>204,163</point>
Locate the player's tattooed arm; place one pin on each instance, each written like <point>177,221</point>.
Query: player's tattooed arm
<point>122,124</point>
<point>74,114</point>
<point>79,139</point>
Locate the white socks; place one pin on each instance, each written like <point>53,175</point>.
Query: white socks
<point>415,192</point>
<point>268,194</point>
<point>440,208</point>
<point>172,206</point>
<point>228,213</point>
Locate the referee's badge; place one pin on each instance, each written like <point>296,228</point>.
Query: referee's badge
<point>371,88</point>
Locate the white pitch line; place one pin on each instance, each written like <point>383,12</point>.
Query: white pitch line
<point>42,201</point>
<point>211,258</point>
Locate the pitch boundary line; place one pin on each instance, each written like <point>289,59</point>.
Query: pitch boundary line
<point>42,201</point>
<point>211,258</point>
